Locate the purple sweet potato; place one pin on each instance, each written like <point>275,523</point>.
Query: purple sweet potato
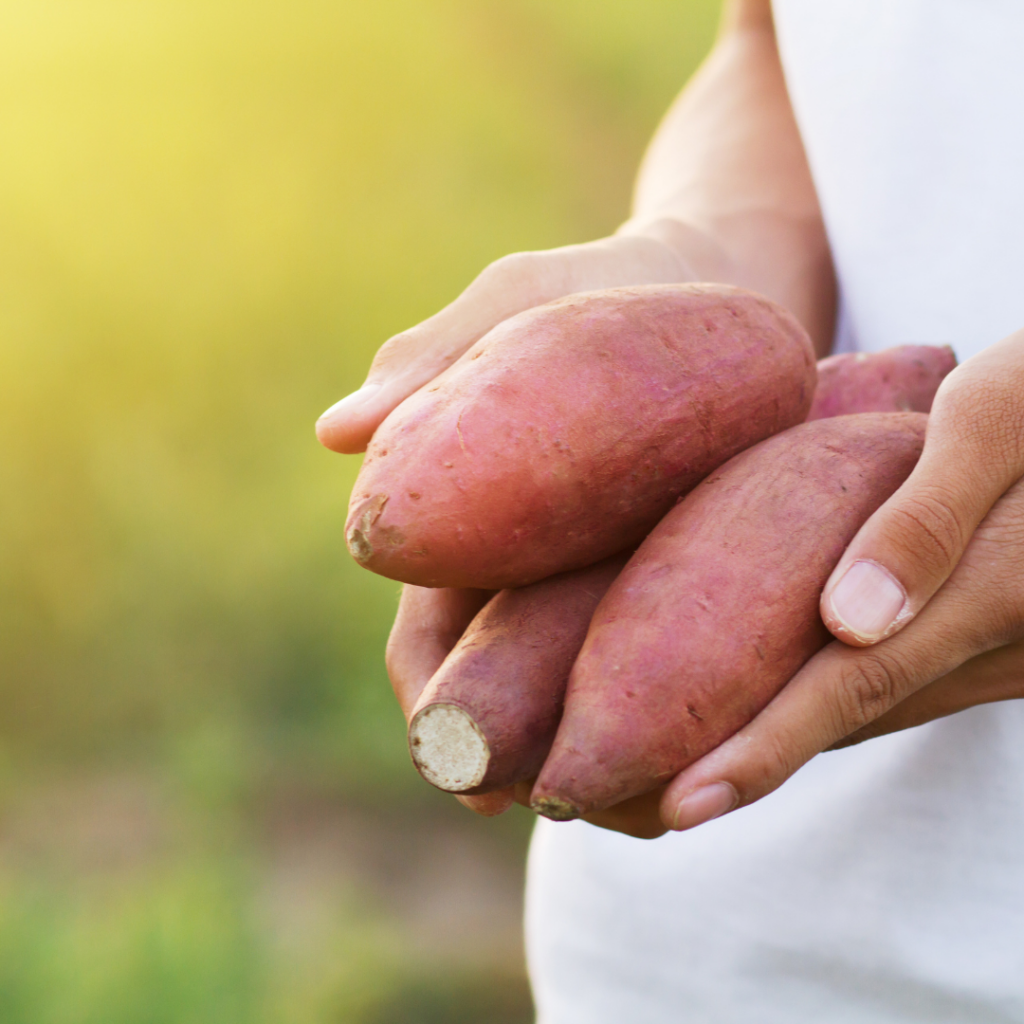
<point>563,435</point>
<point>718,608</point>
<point>900,379</point>
<point>488,716</point>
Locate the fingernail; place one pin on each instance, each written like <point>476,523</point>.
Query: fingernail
<point>348,403</point>
<point>704,804</point>
<point>867,600</point>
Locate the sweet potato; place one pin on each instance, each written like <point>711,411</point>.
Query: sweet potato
<point>718,608</point>
<point>488,716</point>
<point>900,379</point>
<point>563,435</point>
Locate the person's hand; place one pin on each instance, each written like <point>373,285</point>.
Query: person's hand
<point>724,194</point>
<point>994,676</point>
<point>508,286</point>
<point>963,647</point>
<point>973,454</point>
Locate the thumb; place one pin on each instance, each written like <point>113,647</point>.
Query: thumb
<point>508,286</point>
<point>972,454</point>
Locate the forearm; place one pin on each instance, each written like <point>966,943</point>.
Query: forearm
<point>725,183</point>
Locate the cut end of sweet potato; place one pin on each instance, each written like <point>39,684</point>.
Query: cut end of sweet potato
<point>448,748</point>
<point>555,808</point>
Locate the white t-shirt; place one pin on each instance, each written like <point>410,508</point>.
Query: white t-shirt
<point>883,883</point>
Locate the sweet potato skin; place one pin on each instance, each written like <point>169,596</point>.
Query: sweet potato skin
<point>900,379</point>
<point>718,608</point>
<point>563,435</point>
<point>510,669</point>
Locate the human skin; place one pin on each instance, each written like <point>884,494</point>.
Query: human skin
<point>724,194</point>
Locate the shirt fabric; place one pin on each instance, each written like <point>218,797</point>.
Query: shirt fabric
<point>882,884</point>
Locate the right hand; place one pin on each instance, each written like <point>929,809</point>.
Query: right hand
<point>412,359</point>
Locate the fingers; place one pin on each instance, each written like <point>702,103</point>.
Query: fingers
<point>428,625</point>
<point>510,285</point>
<point>490,805</point>
<point>843,689</point>
<point>637,817</point>
<point>994,676</point>
<point>973,453</point>
<point>837,692</point>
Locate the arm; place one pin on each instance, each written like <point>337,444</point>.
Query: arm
<point>724,195</point>
<point>725,181</point>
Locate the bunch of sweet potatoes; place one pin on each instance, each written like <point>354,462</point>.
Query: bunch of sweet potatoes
<point>690,420</point>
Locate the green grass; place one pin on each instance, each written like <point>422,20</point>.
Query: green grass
<point>184,943</point>
<point>211,214</point>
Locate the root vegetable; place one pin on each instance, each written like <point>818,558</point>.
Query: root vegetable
<point>563,435</point>
<point>718,608</point>
<point>488,716</point>
<point>901,379</point>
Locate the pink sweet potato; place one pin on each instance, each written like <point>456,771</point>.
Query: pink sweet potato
<point>718,608</point>
<point>900,379</point>
<point>488,716</point>
<point>566,433</point>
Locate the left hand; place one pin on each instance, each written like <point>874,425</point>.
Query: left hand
<point>940,654</point>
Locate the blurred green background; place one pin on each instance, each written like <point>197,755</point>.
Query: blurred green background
<point>211,214</point>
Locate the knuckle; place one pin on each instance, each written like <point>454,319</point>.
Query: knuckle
<point>778,763</point>
<point>530,278</point>
<point>1004,571</point>
<point>396,346</point>
<point>868,687</point>
<point>1005,621</point>
<point>517,270</point>
<point>936,532</point>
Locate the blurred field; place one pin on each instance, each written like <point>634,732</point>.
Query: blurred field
<point>211,214</point>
